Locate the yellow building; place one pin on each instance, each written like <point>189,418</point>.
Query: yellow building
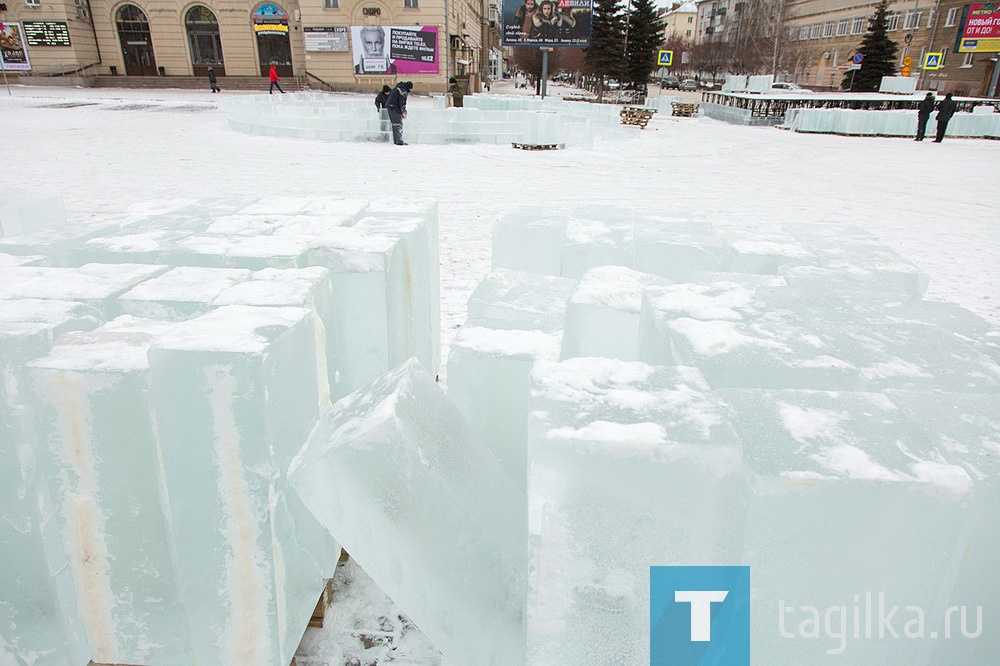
<point>317,41</point>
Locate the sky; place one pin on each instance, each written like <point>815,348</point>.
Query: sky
<point>106,150</point>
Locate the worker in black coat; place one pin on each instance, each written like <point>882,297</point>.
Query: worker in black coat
<point>396,106</point>
<point>382,97</point>
<point>946,109</point>
<point>924,114</point>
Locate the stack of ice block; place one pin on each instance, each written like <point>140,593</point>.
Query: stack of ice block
<point>887,123</point>
<point>902,85</point>
<point>149,413</point>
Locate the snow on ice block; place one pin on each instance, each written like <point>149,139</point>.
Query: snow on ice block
<point>629,465</point>
<point>401,481</point>
<point>179,293</point>
<point>851,506</point>
<point>95,424</point>
<point>488,373</point>
<point>764,250</point>
<point>38,600</point>
<point>966,429</point>
<point>135,245</point>
<point>598,236</point>
<point>737,340</point>
<point>55,240</point>
<point>509,299</point>
<point>602,316</point>
<point>98,285</point>
<point>24,211</point>
<point>236,392</point>
<point>529,240</point>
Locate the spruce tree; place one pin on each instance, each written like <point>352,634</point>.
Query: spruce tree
<point>645,35</point>
<point>605,57</point>
<point>879,51</point>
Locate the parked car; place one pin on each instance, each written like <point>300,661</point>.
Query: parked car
<point>612,85</point>
<point>788,87</point>
<point>688,84</point>
<point>668,82</point>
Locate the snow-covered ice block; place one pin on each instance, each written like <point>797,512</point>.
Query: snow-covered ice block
<point>676,255</point>
<point>488,373</point>
<point>966,429</point>
<point>764,250</point>
<point>850,501</point>
<point>236,392</point>
<point>23,211</point>
<point>597,236</point>
<point>38,599</point>
<point>95,424</point>
<point>602,315</point>
<point>529,240</point>
<point>630,465</point>
<point>98,285</point>
<point>179,293</point>
<point>510,299</point>
<point>401,481</point>
<point>53,241</point>
<point>132,245</point>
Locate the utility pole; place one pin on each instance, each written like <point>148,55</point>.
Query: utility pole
<point>930,43</point>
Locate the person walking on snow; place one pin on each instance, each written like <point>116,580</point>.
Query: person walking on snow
<point>923,115</point>
<point>396,106</point>
<point>946,109</point>
<point>273,76</point>
<point>212,82</point>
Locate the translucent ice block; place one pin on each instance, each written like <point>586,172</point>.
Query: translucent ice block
<point>236,393</point>
<point>488,381</point>
<point>180,293</point>
<point>401,481</point>
<point>602,316</point>
<point>530,241</point>
<point>509,299</point>
<point>630,465</point>
<point>24,211</point>
<point>676,255</point>
<point>850,502</point>
<point>596,236</point>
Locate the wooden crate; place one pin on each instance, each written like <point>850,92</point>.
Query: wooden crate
<point>633,115</point>
<point>684,109</point>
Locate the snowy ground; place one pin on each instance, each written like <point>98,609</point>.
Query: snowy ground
<point>105,150</point>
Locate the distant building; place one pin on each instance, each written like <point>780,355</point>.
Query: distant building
<point>680,20</point>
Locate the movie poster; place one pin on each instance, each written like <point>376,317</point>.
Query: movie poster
<point>13,52</point>
<point>547,22</point>
<point>393,50</point>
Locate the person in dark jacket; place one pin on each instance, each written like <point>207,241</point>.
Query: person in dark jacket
<point>382,97</point>
<point>212,82</point>
<point>457,93</point>
<point>923,115</point>
<point>396,106</point>
<point>946,109</point>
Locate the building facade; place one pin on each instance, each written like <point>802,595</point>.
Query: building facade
<point>679,20</point>
<point>321,41</point>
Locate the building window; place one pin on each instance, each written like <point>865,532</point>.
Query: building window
<point>893,22</point>
<point>81,9</point>
<point>687,33</point>
<point>203,36</point>
<point>331,4</point>
<point>950,19</point>
<point>912,21</point>
<point>793,33</point>
<point>836,58</point>
<point>930,18</point>
<point>968,60</point>
<point>944,54</point>
<point>828,29</point>
<point>842,27</point>
<point>804,32</point>
<point>858,25</point>
<point>815,31</point>
<point>410,4</point>
<point>690,19</point>
<point>902,55</point>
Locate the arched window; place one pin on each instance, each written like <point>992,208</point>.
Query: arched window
<point>203,38</point>
<point>136,41</point>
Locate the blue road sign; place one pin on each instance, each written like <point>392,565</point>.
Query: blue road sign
<point>858,57</point>
<point>665,58</point>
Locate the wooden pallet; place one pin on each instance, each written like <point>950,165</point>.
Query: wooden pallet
<point>684,109</point>
<point>538,146</point>
<point>634,115</point>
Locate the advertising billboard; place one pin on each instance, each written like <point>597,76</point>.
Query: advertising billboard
<point>379,49</point>
<point>546,22</point>
<point>982,29</point>
<point>13,52</point>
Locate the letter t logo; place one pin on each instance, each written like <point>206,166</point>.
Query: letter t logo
<point>701,610</point>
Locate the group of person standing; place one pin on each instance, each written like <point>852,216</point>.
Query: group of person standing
<point>393,100</point>
<point>945,108</point>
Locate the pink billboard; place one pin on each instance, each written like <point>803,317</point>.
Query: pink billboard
<point>394,50</point>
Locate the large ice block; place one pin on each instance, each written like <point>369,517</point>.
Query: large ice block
<point>23,211</point>
<point>488,373</point>
<point>38,601</point>
<point>676,255</point>
<point>597,236</point>
<point>508,299</point>
<point>527,240</point>
<point>852,506</point>
<point>95,422</point>
<point>629,465</point>
<point>402,482</point>
<point>180,293</point>
<point>236,393</point>
<point>602,315</point>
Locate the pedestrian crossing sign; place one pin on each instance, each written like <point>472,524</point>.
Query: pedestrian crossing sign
<point>665,58</point>
<point>933,60</point>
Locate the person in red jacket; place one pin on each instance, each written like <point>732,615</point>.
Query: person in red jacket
<point>273,75</point>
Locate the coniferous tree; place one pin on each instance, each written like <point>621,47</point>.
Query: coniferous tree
<point>605,57</point>
<point>879,52</point>
<point>644,37</point>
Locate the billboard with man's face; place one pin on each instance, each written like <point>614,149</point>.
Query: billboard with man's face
<point>380,49</point>
<point>546,22</point>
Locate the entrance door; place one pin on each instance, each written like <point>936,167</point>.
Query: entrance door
<point>136,42</point>
<point>270,22</point>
